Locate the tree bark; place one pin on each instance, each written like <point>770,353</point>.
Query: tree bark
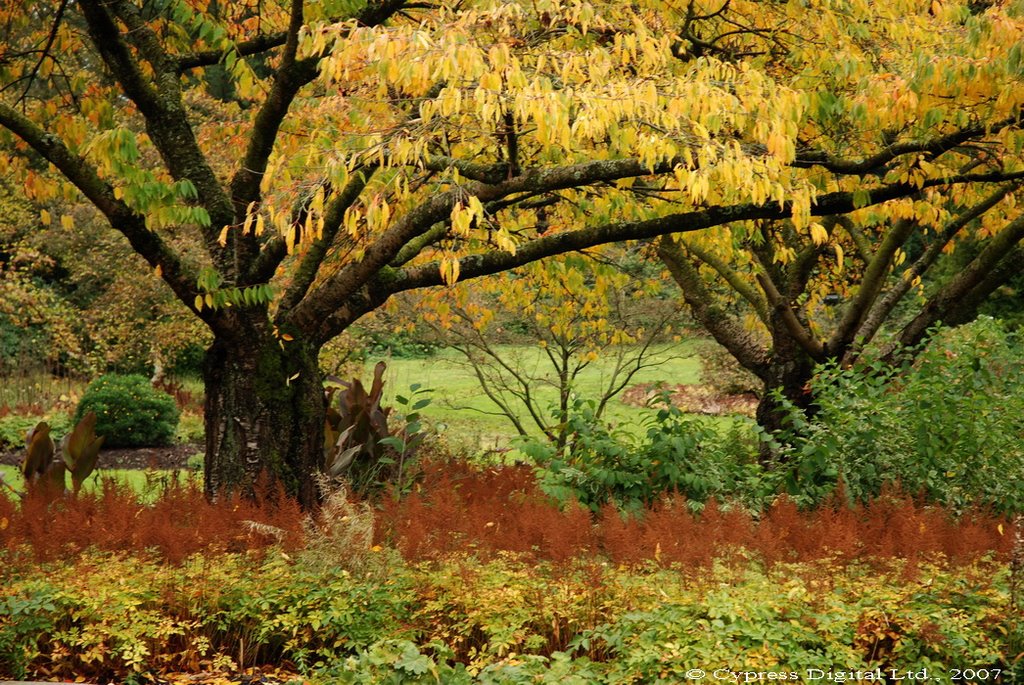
<point>264,413</point>
<point>790,376</point>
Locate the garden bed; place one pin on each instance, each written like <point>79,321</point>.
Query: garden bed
<point>161,458</point>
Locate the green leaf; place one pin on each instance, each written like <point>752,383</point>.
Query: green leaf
<point>861,198</point>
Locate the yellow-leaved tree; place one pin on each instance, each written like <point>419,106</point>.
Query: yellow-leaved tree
<point>570,312</point>
<point>328,155</point>
<point>783,295</point>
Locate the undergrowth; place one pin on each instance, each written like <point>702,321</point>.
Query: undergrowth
<point>178,523</point>
<point>477,577</point>
<point>458,508</point>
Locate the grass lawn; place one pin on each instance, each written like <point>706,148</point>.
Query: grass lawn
<point>468,415</point>
<point>147,483</point>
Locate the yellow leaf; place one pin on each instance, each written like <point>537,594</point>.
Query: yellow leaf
<point>44,217</point>
<point>999,527</point>
<point>158,271</point>
<point>818,233</point>
<point>285,336</point>
<point>67,222</point>
<point>199,302</point>
<point>223,239</point>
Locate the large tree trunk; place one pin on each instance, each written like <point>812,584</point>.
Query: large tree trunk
<point>788,371</point>
<point>791,378</point>
<point>264,413</point>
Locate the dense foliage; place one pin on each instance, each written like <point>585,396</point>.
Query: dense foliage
<point>462,620</point>
<point>287,168</point>
<point>671,453</point>
<point>129,411</point>
<point>945,426</point>
<point>948,426</point>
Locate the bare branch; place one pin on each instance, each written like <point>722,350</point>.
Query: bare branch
<point>870,286</point>
<point>723,327</point>
<point>732,277</point>
<point>811,345</point>
<point>44,54</point>
<point>883,307</point>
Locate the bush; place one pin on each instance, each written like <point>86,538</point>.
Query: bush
<point>129,412</point>
<point>720,370</point>
<point>597,624</point>
<point>947,427</point>
<point>676,453</point>
<point>399,344</point>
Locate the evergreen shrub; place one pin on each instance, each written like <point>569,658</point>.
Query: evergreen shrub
<point>129,411</point>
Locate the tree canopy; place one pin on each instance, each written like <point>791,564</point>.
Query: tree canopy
<point>326,156</point>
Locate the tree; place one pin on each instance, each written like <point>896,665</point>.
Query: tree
<point>781,303</point>
<point>576,310</point>
<point>362,150</point>
<point>782,300</point>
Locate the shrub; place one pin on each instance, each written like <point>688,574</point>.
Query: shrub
<point>675,453</point>
<point>399,344</point>
<point>129,412</point>
<point>947,427</point>
<point>720,370</point>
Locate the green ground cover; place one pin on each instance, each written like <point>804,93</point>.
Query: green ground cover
<point>147,483</point>
<point>505,620</point>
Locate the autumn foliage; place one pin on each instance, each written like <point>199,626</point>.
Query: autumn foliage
<point>181,522</point>
<point>458,509</point>
<point>488,511</point>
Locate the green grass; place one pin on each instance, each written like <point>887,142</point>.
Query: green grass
<point>146,483</point>
<point>467,414</point>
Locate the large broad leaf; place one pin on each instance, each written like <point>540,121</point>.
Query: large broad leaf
<point>80,437</point>
<point>80,450</point>
<point>377,388</point>
<point>39,451</point>
<point>343,461</point>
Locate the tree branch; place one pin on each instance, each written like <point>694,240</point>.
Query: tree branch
<point>876,163</point>
<point>870,286</point>
<point>129,223</point>
<point>319,304</point>
<point>51,37</point>
<point>473,266</point>
<point>799,271</point>
<point>723,327</point>
<point>881,309</point>
<point>811,345</point>
<point>372,14</point>
<point>978,273</point>
<point>732,277</point>
<point>253,46</point>
<point>160,102</point>
<point>334,215</point>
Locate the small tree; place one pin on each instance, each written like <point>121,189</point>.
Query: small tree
<point>575,311</point>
